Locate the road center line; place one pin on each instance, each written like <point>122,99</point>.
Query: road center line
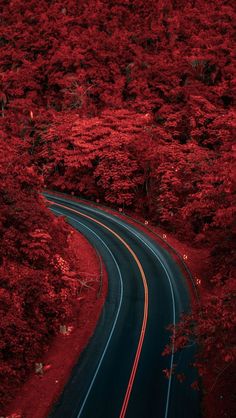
<point>117,314</point>
<point>156,255</point>
<point>145,313</point>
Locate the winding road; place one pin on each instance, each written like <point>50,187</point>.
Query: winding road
<point>120,373</point>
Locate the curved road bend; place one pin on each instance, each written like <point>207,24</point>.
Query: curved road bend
<point>119,374</point>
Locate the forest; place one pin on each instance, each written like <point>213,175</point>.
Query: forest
<point>131,103</point>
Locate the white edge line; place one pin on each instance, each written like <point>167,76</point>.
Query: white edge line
<point>173,312</point>
<point>117,314</point>
<point>169,280</point>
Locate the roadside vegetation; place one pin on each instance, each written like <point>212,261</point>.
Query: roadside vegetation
<point>130,103</point>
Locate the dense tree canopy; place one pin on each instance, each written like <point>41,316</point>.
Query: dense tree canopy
<point>130,102</point>
<point>36,272</point>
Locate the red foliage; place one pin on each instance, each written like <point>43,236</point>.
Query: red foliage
<point>211,325</point>
<point>47,386</point>
<point>131,103</point>
<point>35,291</point>
<point>95,156</point>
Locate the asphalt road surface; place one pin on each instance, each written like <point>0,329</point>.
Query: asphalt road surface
<point>120,373</point>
